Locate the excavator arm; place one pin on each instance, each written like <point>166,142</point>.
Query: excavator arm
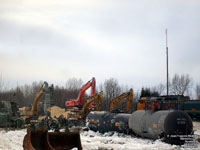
<point>98,103</point>
<point>38,95</point>
<point>80,100</point>
<point>116,100</point>
<point>91,84</point>
<point>129,101</point>
<point>96,98</point>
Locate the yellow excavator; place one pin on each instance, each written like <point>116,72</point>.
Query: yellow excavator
<point>97,99</point>
<point>34,112</point>
<point>116,100</point>
<point>38,95</point>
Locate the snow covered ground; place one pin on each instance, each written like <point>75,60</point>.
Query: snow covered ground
<point>12,140</point>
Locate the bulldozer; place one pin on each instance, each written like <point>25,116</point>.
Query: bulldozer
<point>41,139</point>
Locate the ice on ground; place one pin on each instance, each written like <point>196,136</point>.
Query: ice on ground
<point>13,140</point>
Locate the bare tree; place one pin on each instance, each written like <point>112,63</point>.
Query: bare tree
<point>74,83</point>
<point>197,91</point>
<point>180,84</point>
<point>111,89</point>
<point>158,88</point>
<point>2,84</point>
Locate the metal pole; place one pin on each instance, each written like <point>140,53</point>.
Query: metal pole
<point>167,64</point>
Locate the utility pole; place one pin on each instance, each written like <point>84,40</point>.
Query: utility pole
<point>167,64</point>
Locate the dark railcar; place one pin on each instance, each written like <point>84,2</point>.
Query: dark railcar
<point>174,126</point>
<point>192,107</point>
<point>103,121</point>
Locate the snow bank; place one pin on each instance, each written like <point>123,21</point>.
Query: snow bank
<point>13,140</point>
<point>96,141</point>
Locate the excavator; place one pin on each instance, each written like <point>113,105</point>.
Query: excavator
<point>78,118</point>
<point>34,113</point>
<point>38,95</point>
<point>116,100</point>
<point>79,102</point>
<point>97,99</point>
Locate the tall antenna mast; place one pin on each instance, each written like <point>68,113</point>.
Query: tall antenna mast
<point>167,64</point>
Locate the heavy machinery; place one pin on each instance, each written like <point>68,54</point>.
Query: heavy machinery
<point>141,103</point>
<point>175,102</point>
<point>78,118</point>
<point>80,100</point>
<point>41,139</point>
<point>46,91</point>
<point>36,110</point>
<point>116,100</point>
<point>9,115</point>
<point>37,97</point>
<point>97,99</point>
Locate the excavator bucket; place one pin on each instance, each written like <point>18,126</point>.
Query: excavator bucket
<point>44,140</point>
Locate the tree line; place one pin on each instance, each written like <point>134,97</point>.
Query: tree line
<point>24,95</point>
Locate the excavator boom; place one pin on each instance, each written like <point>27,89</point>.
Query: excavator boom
<point>91,84</point>
<point>98,103</point>
<point>38,95</point>
<point>96,98</point>
<point>129,101</point>
<point>116,100</point>
<point>80,100</point>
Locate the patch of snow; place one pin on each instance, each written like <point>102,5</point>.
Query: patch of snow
<point>13,140</point>
<point>108,141</point>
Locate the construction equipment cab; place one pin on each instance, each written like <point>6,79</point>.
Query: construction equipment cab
<point>116,100</point>
<point>80,100</point>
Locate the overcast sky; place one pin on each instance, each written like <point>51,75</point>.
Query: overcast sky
<point>124,39</point>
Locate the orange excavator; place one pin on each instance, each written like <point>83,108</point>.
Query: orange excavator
<point>79,102</point>
<point>116,100</point>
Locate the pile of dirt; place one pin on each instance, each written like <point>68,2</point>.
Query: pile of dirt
<point>57,111</point>
<point>25,111</point>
